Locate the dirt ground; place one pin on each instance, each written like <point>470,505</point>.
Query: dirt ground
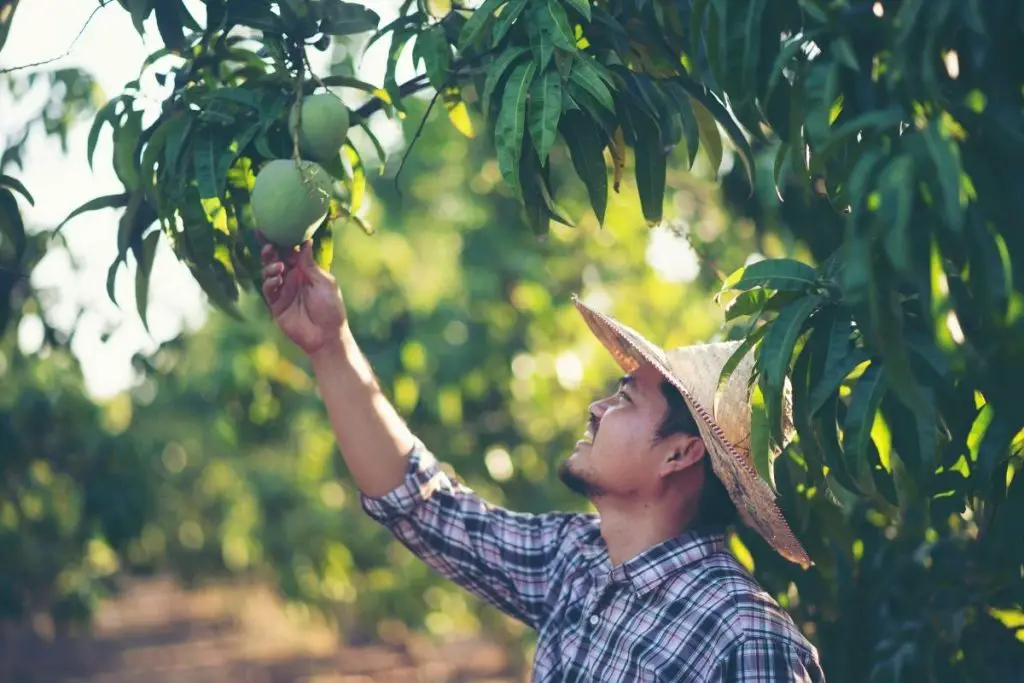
<point>156,632</point>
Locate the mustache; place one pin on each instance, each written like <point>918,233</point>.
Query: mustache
<point>592,423</point>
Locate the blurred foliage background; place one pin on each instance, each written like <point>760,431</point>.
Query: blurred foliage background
<point>219,461</point>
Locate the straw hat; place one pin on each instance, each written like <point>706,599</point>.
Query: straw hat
<point>724,424</point>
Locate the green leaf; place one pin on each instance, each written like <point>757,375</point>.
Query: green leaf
<point>234,149</point>
<point>198,232</point>
<point>399,40</point>
<point>555,23</point>
<point>897,183</point>
<point>140,10</point>
<point>177,137</point>
<point>710,137</point>
<point>475,24</point>
<point>169,25</point>
<point>874,121</point>
<point>589,78</point>
<point>782,274</point>
<point>826,436</point>
<point>544,111</point>
<point>806,372</point>
<point>508,132</point>
<point>760,437</point>
<point>775,355</point>
<point>126,140</point>
<point>382,155</point>
<point>206,148</point>
<point>837,368</point>
<point>497,71</point>
<point>244,96</point>
<point>17,186</point>
<point>505,20</point>
<point>586,148</point>
<point>12,227</point>
<point>347,18</point>
<point>538,202</point>
<point>137,216</point>
<point>688,121</point>
<point>144,268</point>
<point>153,152</point>
<point>708,100</point>
<point>791,47</point>
<point>914,433</point>
<point>109,201</point>
<point>864,402</point>
<point>216,282</point>
<point>756,302</point>
<point>541,39</point>
<point>112,279</point>
<point>696,33</point>
<point>581,6</point>
<point>947,170</point>
<point>749,342</point>
<point>432,48</point>
<point>105,115</point>
<point>651,166</point>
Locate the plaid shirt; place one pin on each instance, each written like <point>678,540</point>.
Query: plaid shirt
<point>683,610</point>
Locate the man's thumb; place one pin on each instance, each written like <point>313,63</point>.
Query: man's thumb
<point>306,260</point>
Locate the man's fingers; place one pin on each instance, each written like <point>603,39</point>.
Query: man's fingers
<point>272,269</point>
<point>305,257</point>
<point>272,288</point>
<point>285,293</point>
<point>269,254</point>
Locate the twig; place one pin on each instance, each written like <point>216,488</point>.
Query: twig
<point>418,83</point>
<point>415,137</point>
<point>66,52</point>
<point>408,88</point>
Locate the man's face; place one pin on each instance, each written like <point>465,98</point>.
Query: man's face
<point>618,455</point>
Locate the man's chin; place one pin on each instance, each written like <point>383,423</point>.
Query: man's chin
<point>573,481</point>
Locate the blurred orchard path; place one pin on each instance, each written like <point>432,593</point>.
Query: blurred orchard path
<point>157,632</point>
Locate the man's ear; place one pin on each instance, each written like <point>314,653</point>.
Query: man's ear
<point>682,451</point>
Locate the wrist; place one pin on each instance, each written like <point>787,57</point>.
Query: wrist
<point>337,348</point>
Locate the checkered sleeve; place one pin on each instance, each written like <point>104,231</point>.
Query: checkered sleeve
<point>506,558</point>
<point>768,659</point>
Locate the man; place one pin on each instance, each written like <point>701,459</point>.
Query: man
<point>643,591</point>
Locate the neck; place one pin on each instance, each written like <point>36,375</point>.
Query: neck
<point>629,528</point>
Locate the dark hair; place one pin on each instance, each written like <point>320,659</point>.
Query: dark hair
<point>716,509</point>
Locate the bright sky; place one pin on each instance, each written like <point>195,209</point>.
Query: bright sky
<point>113,52</point>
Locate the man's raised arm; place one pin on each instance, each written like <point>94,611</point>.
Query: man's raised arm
<point>509,559</point>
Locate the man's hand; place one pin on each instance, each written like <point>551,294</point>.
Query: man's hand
<point>304,299</point>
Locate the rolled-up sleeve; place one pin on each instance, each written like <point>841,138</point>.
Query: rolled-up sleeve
<point>510,559</point>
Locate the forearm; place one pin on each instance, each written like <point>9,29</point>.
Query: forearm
<point>372,437</point>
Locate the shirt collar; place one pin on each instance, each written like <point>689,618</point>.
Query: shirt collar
<point>654,565</point>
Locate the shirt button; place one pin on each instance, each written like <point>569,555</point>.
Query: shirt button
<point>594,620</point>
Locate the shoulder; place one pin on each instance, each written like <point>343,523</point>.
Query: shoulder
<point>737,612</point>
<point>763,643</point>
<point>767,657</point>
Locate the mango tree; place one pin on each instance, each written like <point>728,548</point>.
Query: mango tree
<point>885,135</point>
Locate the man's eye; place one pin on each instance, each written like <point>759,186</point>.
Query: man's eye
<point>622,394</point>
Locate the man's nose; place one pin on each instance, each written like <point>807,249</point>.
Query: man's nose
<point>597,409</point>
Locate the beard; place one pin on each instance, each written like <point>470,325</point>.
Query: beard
<point>576,482</point>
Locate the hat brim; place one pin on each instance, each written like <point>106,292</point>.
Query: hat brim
<point>751,495</point>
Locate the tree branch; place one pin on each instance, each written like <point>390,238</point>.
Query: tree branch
<point>408,88</point>
<point>66,52</point>
<point>418,83</point>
